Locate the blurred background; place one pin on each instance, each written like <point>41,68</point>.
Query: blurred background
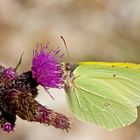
<point>95,30</point>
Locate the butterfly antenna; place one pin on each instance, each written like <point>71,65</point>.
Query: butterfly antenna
<point>19,62</point>
<point>65,44</point>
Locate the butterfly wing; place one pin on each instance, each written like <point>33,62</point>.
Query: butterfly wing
<point>120,80</point>
<point>105,93</point>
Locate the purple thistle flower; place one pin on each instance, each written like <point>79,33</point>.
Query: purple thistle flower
<point>7,127</point>
<point>17,92</point>
<point>46,68</point>
<point>7,74</point>
<point>10,73</point>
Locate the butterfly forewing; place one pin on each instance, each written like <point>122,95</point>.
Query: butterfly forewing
<point>124,82</point>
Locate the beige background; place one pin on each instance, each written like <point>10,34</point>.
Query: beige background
<point>102,30</point>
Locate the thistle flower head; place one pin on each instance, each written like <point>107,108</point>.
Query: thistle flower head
<point>10,73</point>
<point>29,109</point>
<point>7,127</point>
<point>7,74</point>
<point>17,92</point>
<point>46,68</point>
<point>48,116</point>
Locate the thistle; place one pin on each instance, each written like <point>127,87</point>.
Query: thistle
<point>46,68</point>
<point>18,92</point>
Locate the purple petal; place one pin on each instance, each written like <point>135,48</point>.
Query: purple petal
<point>46,68</point>
<point>10,73</point>
<point>7,127</point>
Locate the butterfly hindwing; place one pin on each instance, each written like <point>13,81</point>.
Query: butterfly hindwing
<point>104,112</point>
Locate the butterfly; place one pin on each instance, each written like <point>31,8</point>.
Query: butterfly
<point>104,93</point>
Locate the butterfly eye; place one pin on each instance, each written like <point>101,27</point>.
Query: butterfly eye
<point>68,66</point>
